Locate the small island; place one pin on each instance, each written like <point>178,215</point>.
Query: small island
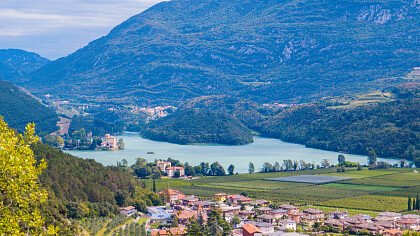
<point>197,126</point>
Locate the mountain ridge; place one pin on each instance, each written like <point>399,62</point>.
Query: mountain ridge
<point>15,64</point>
<point>276,50</point>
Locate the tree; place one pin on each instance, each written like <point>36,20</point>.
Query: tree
<point>295,165</point>
<point>276,167</point>
<point>177,174</point>
<point>140,162</point>
<point>124,163</point>
<point>402,163</point>
<point>267,167</point>
<point>217,169</point>
<point>325,163</point>
<point>198,170</point>
<point>155,172</point>
<point>417,162</point>
<point>372,157</point>
<point>204,168</point>
<point>217,225</point>
<point>251,168</point>
<point>189,169</point>
<point>414,204</point>
<point>154,186</point>
<point>410,152</point>
<point>316,225</point>
<point>288,164</point>
<point>231,169</point>
<point>120,198</point>
<point>143,172</point>
<point>409,204</point>
<point>417,203</point>
<point>341,159</point>
<point>235,221</point>
<point>21,195</point>
<point>195,228</point>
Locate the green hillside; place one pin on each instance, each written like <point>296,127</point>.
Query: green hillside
<point>18,109</point>
<point>16,64</point>
<point>391,129</point>
<point>198,126</point>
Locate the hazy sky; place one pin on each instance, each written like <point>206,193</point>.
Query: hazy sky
<point>55,28</point>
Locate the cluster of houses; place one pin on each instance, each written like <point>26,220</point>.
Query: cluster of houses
<point>169,170</point>
<point>109,142</point>
<point>255,217</point>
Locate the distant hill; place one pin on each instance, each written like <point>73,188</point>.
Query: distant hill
<point>16,64</point>
<point>198,126</point>
<point>18,109</point>
<point>262,50</point>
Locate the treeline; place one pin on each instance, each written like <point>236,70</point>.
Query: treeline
<point>198,126</point>
<point>19,109</point>
<point>294,165</point>
<point>144,169</point>
<point>390,129</point>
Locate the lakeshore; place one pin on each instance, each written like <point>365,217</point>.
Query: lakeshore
<point>260,151</point>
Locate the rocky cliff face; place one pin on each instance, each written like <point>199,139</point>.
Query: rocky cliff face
<point>262,50</point>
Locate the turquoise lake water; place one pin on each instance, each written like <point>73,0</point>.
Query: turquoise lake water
<point>262,150</point>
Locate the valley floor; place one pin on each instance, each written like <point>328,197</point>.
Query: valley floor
<point>365,191</point>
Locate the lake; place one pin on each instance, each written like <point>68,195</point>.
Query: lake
<point>260,151</point>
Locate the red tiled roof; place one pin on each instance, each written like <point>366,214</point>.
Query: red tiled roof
<point>251,229</point>
<point>172,231</point>
<point>187,214</point>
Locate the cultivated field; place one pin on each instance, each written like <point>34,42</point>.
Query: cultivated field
<point>361,191</point>
<point>312,179</point>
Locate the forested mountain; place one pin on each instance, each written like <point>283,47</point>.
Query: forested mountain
<point>262,50</point>
<point>15,64</point>
<point>391,129</point>
<point>198,126</point>
<point>248,112</point>
<point>18,109</point>
<point>80,188</point>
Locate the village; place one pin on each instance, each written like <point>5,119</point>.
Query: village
<point>255,217</point>
<point>252,216</point>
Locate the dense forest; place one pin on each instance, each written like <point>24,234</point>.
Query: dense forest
<point>18,109</point>
<point>80,188</point>
<point>99,124</point>
<point>198,126</point>
<point>391,129</point>
<point>248,112</point>
<point>15,64</point>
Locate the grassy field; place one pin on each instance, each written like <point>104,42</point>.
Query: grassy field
<point>367,191</point>
<point>364,99</point>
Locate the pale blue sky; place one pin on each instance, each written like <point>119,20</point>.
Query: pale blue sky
<point>55,28</point>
